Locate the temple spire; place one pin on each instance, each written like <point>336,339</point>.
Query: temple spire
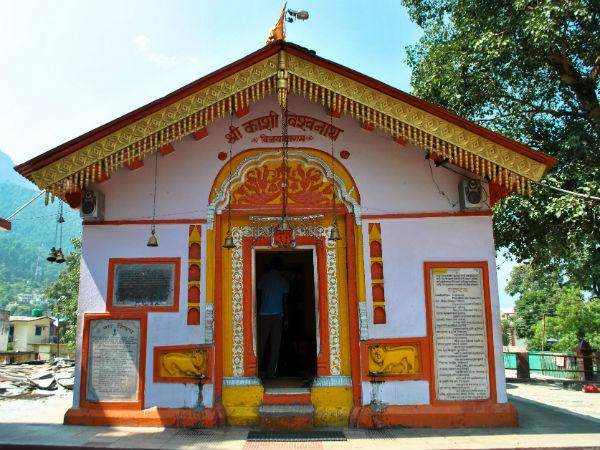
<point>278,31</point>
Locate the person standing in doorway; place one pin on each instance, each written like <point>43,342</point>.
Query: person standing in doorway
<point>273,289</point>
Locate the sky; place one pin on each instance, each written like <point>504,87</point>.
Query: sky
<point>69,66</point>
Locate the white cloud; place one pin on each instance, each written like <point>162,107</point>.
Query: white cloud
<point>143,44</point>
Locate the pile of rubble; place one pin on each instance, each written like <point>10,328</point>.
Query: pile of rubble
<point>36,379</point>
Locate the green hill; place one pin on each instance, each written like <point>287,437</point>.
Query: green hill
<point>23,250</point>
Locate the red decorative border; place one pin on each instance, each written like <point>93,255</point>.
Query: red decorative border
<point>112,262</point>
<point>157,378</point>
<point>87,318</point>
<point>427,266</point>
<point>424,358</point>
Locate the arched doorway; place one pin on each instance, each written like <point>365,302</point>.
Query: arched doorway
<point>255,190</point>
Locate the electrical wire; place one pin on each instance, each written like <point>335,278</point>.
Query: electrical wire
<point>442,193</point>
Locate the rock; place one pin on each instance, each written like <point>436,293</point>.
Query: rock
<point>67,383</point>
<point>42,376</point>
<point>64,374</point>
<point>48,384</point>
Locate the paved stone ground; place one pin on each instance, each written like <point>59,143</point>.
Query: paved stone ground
<point>571,420</point>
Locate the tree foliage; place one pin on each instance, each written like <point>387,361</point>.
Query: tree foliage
<point>530,70</point>
<point>64,293</point>
<point>553,310</point>
<point>575,319</point>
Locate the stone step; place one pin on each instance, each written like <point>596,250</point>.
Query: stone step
<point>287,417</point>
<point>286,396</point>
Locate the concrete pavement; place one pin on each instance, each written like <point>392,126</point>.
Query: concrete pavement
<point>541,427</point>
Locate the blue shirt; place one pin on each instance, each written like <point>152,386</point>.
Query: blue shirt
<point>273,287</point>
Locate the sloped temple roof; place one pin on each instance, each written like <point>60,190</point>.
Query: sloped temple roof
<point>281,68</point>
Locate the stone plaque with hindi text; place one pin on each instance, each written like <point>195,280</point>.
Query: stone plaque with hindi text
<point>144,284</point>
<point>459,334</point>
<point>113,361</point>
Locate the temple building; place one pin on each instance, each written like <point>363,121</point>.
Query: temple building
<point>378,207</point>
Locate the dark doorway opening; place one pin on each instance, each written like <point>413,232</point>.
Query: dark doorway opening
<point>297,361</point>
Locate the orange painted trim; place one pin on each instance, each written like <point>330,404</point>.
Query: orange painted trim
<point>218,312</point>
<point>424,357</point>
<point>167,149</point>
<point>286,399</point>
<point>427,215</point>
<point>250,359</point>
<point>441,416</point>
<point>151,417</point>
<point>149,222</point>
<point>353,320</point>
<point>324,355</point>
<point>367,126</point>
<point>200,134</point>
<point>157,378</point>
<point>324,155</point>
<point>90,404</point>
<point>73,198</point>
<point>135,164</point>
<point>401,140</point>
<point>427,266</point>
<point>6,225</point>
<point>242,111</point>
<point>112,263</point>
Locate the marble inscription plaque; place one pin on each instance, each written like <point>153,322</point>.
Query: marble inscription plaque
<point>459,334</point>
<point>113,361</point>
<point>144,284</point>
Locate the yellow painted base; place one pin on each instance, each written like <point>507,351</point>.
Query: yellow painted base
<point>332,405</point>
<point>241,404</point>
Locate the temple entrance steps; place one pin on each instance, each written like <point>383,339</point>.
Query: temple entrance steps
<point>287,409</point>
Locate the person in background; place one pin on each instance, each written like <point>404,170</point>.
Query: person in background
<point>273,289</point>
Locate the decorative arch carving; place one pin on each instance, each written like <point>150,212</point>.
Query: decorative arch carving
<point>256,179</point>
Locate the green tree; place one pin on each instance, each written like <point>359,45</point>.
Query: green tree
<point>530,70</point>
<point>64,293</point>
<point>536,296</point>
<point>506,326</point>
<point>575,319</point>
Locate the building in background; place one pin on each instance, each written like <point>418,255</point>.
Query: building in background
<point>4,329</point>
<point>28,332</point>
<point>377,202</point>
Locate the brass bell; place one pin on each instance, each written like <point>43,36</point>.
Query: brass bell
<point>52,255</point>
<point>334,234</point>
<point>228,243</point>
<point>152,240</point>
<point>60,257</point>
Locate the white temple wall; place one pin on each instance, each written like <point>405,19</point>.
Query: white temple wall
<point>102,242</point>
<point>406,245</point>
<point>391,178</point>
<point>396,392</point>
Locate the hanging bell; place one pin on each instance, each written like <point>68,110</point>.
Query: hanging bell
<point>152,240</point>
<point>52,255</point>
<point>228,243</point>
<point>334,234</point>
<point>60,257</point>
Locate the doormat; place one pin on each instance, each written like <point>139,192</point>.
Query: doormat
<point>295,436</point>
